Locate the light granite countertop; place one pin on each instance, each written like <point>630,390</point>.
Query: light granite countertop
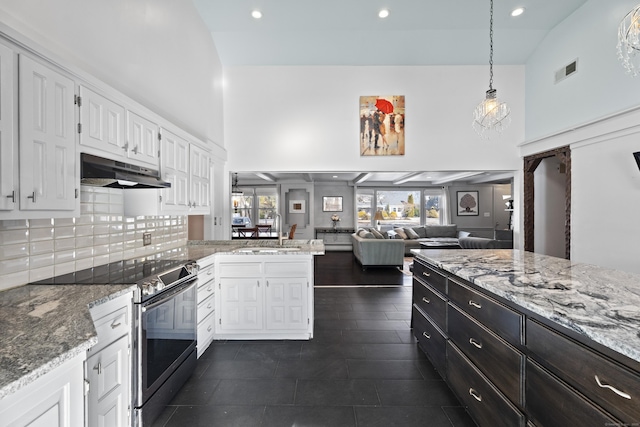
<point>598,303</point>
<point>42,326</point>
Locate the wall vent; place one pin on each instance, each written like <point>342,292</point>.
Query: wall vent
<point>567,71</point>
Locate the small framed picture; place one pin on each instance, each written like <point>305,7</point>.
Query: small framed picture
<point>332,203</point>
<point>467,203</point>
<point>297,206</point>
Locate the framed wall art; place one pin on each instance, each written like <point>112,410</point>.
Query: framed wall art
<point>297,206</point>
<point>382,123</point>
<point>467,203</point>
<point>332,204</point>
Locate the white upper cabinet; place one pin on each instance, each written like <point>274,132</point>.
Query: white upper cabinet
<point>142,139</point>
<point>8,141</point>
<point>47,138</point>
<point>102,123</point>
<point>200,180</point>
<point>175,169</point>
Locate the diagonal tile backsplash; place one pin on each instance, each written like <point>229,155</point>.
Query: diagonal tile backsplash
<point>36,249</point>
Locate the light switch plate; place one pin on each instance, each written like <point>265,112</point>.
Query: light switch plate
<point>487,214</point>
<point>146,239</point>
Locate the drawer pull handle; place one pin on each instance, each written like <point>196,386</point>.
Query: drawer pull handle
<point>209,328</point>
<point>475,343</point>
<point>472,303</point>
<point>209,305</point>
<point>425,274</point>
<point>613,389</point>
<point>209,289</point>
<point>475,395</point>
<point>115,325</point>
<point>98,368</point>
<point>426,335</point>
<point>425,299</point>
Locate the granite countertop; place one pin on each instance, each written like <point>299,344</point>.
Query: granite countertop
<point>599,303</point>
<point>43,326</point>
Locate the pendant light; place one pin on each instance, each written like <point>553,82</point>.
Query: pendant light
<point>491,116</point>
<point>629,41</point>
<point>235,191</point>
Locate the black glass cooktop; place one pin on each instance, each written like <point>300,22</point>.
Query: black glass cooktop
<point>120,272</point>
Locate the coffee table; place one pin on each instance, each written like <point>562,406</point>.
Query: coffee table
<point>439,245</point>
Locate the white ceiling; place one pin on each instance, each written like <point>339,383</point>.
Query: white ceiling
<point>349,32</point>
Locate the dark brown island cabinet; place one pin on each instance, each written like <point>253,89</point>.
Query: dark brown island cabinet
<point>510,367</point>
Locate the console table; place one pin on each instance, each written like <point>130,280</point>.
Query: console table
<point>335,239</point>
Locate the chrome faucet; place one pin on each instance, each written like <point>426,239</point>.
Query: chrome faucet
<point>279,228</point>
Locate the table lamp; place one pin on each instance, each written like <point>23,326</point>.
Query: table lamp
<point>378,217</point>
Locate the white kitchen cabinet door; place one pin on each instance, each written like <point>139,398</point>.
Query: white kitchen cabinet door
<point>108,374</point>
<point>241,304</point>
<point>142,139</point>
<point>200,180</point>
<point>175,169</point>
<point>8,143</point>
<point>47,138</point>
<point>287,303</point>
<point>103,123</point>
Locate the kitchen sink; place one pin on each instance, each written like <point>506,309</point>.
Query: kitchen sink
<point>265,250</point>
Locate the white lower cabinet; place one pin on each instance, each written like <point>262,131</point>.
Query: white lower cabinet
<point>206,303</point>
<point>108,368</point>
<point>264,297</point>
<point>53,400</point>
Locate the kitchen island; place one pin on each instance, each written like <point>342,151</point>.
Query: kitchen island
<point>522,337</point>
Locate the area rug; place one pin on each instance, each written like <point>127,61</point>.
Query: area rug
<point>340,268</point>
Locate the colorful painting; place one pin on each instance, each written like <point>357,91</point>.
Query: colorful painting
<point>382,124</point>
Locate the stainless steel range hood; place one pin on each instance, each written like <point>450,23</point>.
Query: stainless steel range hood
<point>101,172</point>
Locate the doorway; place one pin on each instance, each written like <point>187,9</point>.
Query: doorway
<point>553,171</point>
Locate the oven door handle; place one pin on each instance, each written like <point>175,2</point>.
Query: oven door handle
<point>183,288</point>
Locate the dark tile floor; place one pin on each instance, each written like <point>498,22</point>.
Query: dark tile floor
<point>362,368</point>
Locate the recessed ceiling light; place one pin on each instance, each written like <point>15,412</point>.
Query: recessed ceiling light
<point>383,13</point>
<point>256,14</point>
<point>335,176</point>
<point>517,12</point>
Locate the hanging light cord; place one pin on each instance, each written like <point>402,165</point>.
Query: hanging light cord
<point>491,47</point>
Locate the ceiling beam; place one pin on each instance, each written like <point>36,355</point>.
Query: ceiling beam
<point>490,177</point>
<point>454,177</point>
<point>362,178</point>
<point>307,177</point>
<point>265,176</point>
<point>407,178</point>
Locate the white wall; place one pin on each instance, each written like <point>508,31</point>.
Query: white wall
<point>306,118</point>
<point>158,52</point>
<point>549,208</point>
<point>599,88</point>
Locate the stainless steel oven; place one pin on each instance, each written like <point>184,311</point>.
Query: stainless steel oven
<point>164,339</point>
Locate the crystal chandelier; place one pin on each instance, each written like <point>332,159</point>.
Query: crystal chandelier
<point>491,116</point>
<point>629,41</point>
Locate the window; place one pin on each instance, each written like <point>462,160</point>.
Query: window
<point>256,206</point>
<point>405,207</point>
<point>267,205</point>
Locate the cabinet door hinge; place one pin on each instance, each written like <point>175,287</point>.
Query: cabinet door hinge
<point>79,127</point>
<point>160,197</point>
<point>87,384</point>
<point>220,321</point>
<point>77,99</point>
<point>77,193</point>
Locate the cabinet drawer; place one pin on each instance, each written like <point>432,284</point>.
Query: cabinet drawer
<point>430,276</point>
<point>431,341</point>
<point>206,290</point>
<point>205,333</point>
<point>206,275</point>
<point>551,403</point>
<point>240,269</point>
<point>112,326</point>
<point>579,366</point>
<point>431,303</point>
<point>500,362</point>
<point>286,269</point>
<point>495,316</point>
<point>206,307</point>
<point>486,404</point>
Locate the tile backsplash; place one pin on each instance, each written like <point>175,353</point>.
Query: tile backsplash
<point>36,249</point>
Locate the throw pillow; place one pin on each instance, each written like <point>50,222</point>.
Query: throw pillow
<point>420,231</point>
<point>401,233</point>
<point>462,234</point>
<point>376,233</point>
<point>391,234</point>
<point>368,235</point>
<point>362,232</point>
<point>410,233</point>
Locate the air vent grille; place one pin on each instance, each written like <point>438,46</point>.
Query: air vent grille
<point>566,71</point>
